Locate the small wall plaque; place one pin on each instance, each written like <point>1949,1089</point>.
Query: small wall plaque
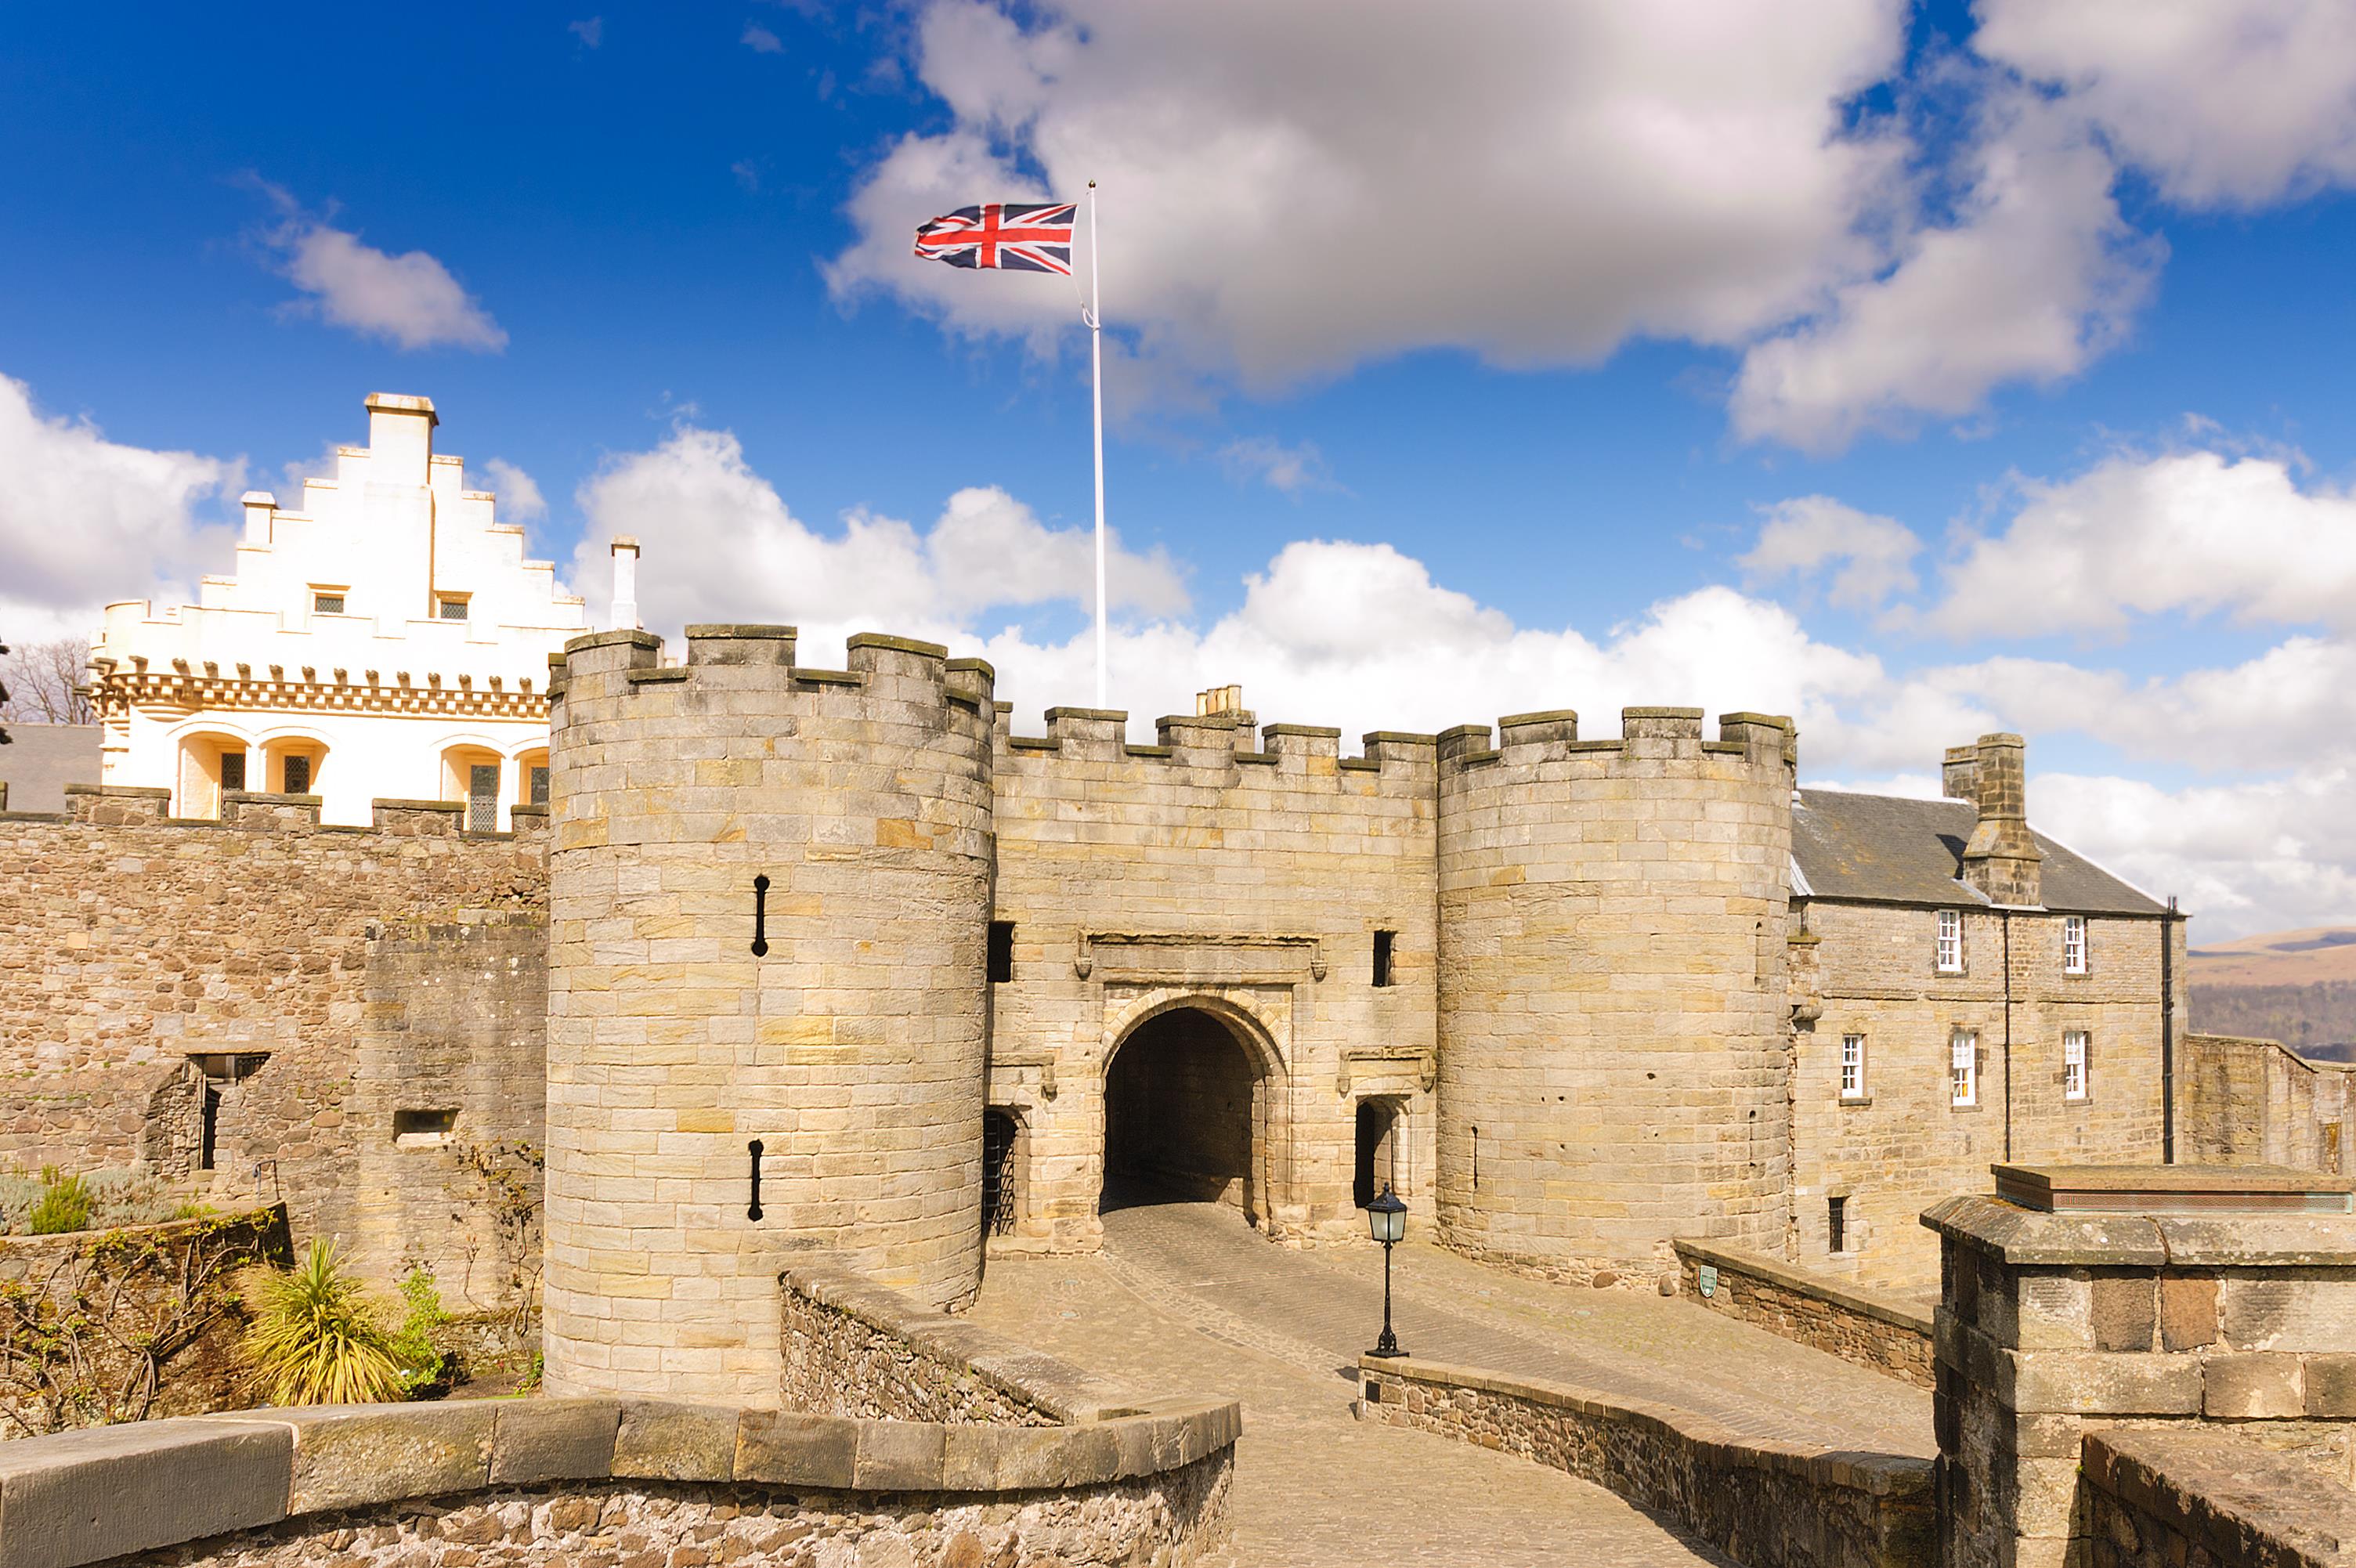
<point>1708,1276</point>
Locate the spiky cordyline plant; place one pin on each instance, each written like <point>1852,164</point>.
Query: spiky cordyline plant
<point>315,1339</point>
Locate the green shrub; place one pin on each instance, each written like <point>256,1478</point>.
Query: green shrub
<point>315,1337</point>
<point>416,1345</point>
<point>65,1204</point>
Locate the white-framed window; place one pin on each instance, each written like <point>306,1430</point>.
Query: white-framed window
<point>2073,1064</point>
<point>1951,941</point>
<point>1964,1067</point>
<point>1852,1079</point>
<point>2074,944</point>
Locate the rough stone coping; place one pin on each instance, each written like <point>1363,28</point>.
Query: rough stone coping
<point>86,1495</point>
<point>1397,737</point>
<point>2025,1237</point>
<point>383,804</point>
<point>1881,1308</point>
<point>808,676</point>
<point>1314,732</point>
<point>1773,721</point>
<point>640,677</point>
<point>2129,1190</point>
<point>1626,713</point>
<point>611,640</point>
<point>895,644</point>
<point>1147,750</point>
<point>2242,1502</point>
<point>982,667</point>
<point>122,792</point>
<point>268,797</point>
<point>750,630</point>
<point>271,1213</point>
<point>1048,1385</point>
<point>1904,1475</point>
<point>1544,716</point>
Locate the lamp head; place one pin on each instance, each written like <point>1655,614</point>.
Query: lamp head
<point>1387,1217</point>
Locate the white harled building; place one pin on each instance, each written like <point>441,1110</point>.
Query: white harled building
<point>386,638</point>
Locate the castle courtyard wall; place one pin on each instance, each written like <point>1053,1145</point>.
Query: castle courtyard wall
<point>1906,1145</point>
<point>131,941</point>
<point>1249,880</point>
<point>2258,1102</point>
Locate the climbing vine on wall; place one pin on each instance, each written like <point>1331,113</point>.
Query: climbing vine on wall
<point>505,1177</point>
<point>121,1324</point>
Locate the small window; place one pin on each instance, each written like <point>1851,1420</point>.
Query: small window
<point>326,602</point>
<point>2074,944</point>
<point>1951,941</point>
<point>1837,1224</point>
<point>1852,1079</point>
<point>298,775</point>
<point>483,797</point>
<point>540,786</point>
<point>2073,1064</point>
<point>233,770</point>
<point>452,606</point>
<point>1001,950</point>
<point>1385,945</point>
<point>423,1129</point>
<point>1964,1067</point>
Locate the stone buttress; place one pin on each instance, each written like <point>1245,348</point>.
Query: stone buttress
<point>1612,1060</point>
<point>852,1049</point>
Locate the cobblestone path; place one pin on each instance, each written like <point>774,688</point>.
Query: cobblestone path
<point>1186,1299</point>
<point>1315,1489</point>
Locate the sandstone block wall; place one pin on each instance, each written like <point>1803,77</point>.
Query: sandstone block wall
<point>2258,1102</point>
<point>1870,970</point>
<point>1612,1003</point>
<point>130,941</point>
<point>1241,871</point>
<point>851,1048</point>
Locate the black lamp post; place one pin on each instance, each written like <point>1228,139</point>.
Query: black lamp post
<point>1387,1219</point>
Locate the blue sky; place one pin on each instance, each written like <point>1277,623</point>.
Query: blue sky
<point>1926,370</point>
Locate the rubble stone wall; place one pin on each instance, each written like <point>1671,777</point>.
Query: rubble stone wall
<point>2258,1102</point>
<point>1889,1335</point>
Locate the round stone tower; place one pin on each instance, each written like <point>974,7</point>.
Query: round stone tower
<point>1612,1061</point>
<point>769,904</point>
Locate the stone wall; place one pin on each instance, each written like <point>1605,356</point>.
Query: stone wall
<point>1240,870</point>
<point>131,941</point>
<point>1613,1065</point>
<point>1891,1337</point>
<point>582,1481</point>
<point>1767,1506</point>
<point>854,1348</point>
<point>1906,1145</point>
<point>2204,1500</point>
<point>2056,1327</point>
<point>128,1324</point>
<point>2258,1102</point>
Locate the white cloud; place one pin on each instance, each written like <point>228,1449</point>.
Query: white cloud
<point>84,519</point>
<point>1271,214</point>
<point>761,40</point>
<point>410,300</point>
<point>720,545</point>
<point>747,173</point>
<point>1288,470</point>
<point>2192,532</point>
<point>590,30</point>
<point>2036,276</point>
<point>1805,535</point>
<point>2227,102</point>
<point>519,493</point>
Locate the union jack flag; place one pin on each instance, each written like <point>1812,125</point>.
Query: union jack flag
<point>1012,236</point>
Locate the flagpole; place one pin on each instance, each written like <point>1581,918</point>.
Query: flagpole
<point>1096,357</point>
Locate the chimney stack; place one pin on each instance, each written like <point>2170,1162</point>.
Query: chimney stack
<point>626,584</point>
<point>401,438</point>
<point>258,505</point>
<point>2002,860</point>
<point>1959,775</point>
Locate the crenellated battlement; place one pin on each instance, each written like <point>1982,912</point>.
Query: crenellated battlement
<point>1212,749</point>
<point>1648,737</point>
<point>256,812</point>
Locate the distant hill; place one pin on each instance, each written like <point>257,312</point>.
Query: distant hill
<point>2298,987</point>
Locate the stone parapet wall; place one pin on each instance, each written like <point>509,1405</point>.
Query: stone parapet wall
<point>2206,1499</point>
<point>127,1324</point>
<point>854,1348</point>
<point>1889,1335</point>
<point>2246,1101</point>
<point>1769,1506</point>
<point>563,1481</point>
<point>130,941</point>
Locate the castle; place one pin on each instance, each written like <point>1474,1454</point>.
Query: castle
<point>837,958</point>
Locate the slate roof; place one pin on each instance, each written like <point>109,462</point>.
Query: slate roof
<point>40,760</point>
<point>1894,850</point>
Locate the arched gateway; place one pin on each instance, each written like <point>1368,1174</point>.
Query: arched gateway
<point>1189,1101</point>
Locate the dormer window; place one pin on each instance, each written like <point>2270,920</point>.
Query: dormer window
<point>326,601</point>
<point>1951,941</point>
<point>450,607</point>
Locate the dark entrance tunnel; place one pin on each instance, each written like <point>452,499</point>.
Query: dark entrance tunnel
<point>1179,1114</point>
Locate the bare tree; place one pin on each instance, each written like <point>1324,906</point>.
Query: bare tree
<point>41,683</point>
